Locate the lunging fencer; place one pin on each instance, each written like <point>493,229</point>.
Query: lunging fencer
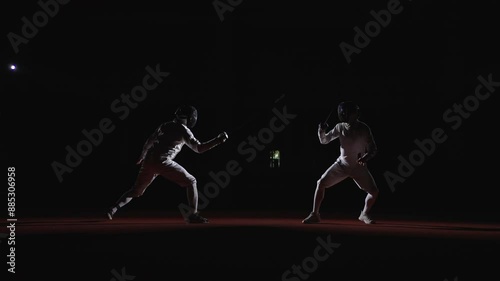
<point>357,147</point>
<point>157,158</point>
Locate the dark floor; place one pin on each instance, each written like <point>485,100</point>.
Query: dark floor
<point>246,246</point>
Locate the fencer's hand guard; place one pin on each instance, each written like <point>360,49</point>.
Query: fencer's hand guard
<point>363,159</point>
<point>223,137</point>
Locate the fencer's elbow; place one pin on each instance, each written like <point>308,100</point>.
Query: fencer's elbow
<point>199,150</point>
<point>204,147</point>
<point>325,140</point>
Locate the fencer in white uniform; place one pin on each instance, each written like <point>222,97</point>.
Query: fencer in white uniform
<point>157,158</point>
<point>357,147</point>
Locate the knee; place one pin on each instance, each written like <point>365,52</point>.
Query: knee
<point>133,193</point>
<point>320,184</point>
<point>374,191</point>
<point>191,182</point>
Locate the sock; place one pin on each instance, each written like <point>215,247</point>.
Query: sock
<point>121,203</point>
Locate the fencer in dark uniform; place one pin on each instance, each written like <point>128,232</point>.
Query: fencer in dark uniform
<point>157,158</point>
<point>357,147</point>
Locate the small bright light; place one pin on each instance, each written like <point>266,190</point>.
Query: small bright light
<point>12,67</point>
<point>274,156</point>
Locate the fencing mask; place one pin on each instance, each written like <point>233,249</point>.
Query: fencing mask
<point>345,109</point>
<point>189,113</point>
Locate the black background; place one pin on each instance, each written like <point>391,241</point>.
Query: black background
<point>426,60</point>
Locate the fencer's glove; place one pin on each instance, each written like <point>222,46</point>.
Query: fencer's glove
<point>323,126</point>
<point>362,159</point>
<point>223,137</point>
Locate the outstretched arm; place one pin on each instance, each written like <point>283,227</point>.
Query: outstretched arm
<point>201,147</point>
